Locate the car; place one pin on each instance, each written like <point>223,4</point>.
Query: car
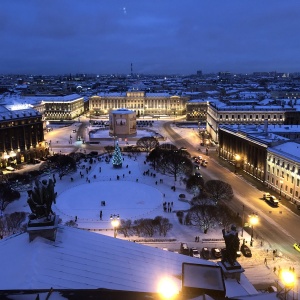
<point>74,130</point>
<point>297,246</point>
<point>246,251</point>
<point>184,249</point>
<point>204,163</point>
<point>216,252</point>
<point>273,201</point>
<point>205,253</point>
<point>197,174</point>
<point>194,252</point>
<point>266,196</point>
<point>10,168</point>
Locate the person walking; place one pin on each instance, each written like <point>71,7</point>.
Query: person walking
<point>100,215</point>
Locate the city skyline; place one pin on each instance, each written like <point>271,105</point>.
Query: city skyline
<point>157,37</point>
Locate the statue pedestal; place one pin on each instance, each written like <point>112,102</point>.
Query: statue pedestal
<point>43,227</point>
<point>231,271</point>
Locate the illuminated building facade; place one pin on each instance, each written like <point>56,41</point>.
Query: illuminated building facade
<point>220,114</point>
<point>142,103</point>
<point>283,170</point>
<point>61,107</point>
<point>21,136</point>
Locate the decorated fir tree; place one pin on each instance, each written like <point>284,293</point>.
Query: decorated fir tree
<point>117,157</point>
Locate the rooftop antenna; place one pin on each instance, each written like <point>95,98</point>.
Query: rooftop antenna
<point>131,70</point>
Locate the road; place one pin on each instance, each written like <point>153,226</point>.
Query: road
<point>277,226</point>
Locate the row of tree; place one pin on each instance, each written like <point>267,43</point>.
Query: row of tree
<point>145,227</point>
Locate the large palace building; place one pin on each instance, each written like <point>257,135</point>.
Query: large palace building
<point>139,101</point>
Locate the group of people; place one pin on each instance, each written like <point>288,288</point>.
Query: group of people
<point>168,206</point>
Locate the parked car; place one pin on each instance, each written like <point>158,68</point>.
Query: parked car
<point>184,249</point>
<point>246,251</point>
<point>216,252</point>
<point>194,252</point>
<point>205,253</point>
<point>266,196</point>
<point>273,201</point>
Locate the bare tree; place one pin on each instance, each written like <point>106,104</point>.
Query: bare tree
<point>194,184</point>
<point>15,219</point>
<point>163,225</point>
<point>219,190</point>
<point>7,195</point>
<point>176,163</point>
<point>63,164</point>
<point>203,216</point>
<point>226,217</point>
<point>147,143</point>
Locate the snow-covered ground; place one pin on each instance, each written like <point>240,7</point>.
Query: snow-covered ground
<point>136,196</point>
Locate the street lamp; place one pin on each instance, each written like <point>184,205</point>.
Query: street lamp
<point>253,220</point>
<point>288,279</point>
<point>237,162</point>
<point>115,222</point>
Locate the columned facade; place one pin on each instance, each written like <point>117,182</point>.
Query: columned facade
<point>142,103</point>
<point>244,152</point>
<point>220,114</point>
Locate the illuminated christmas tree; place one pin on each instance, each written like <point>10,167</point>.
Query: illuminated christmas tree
<point>117,157</point>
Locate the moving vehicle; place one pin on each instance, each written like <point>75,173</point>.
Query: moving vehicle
<point>216,252</point>
<point>246,251</point>
<point>197,174</point>
<point>205,253</point>
<point>272,200</point>
<point>194,252</point>
<point>297,246</point>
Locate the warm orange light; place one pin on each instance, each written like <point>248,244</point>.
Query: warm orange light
<point>167,288</point>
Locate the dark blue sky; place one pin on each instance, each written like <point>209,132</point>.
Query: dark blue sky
<point>157,36</point>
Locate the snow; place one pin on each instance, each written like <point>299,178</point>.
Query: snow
<point>131,199</point>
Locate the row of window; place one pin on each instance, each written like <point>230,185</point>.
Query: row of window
<point>262,117</point>
<point>285,188</point>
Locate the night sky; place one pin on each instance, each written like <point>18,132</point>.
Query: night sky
<point>156,36</point>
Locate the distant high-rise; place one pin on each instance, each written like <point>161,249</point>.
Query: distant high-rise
<point>131,71</point>
<point>199,73</point>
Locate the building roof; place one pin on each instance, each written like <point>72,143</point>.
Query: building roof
<point>80,259</point>
<point>6,114</point>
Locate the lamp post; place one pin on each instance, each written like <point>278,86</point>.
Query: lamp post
<point>253,220</point>
<point>288,279</point>
<point>243,220</point>
<point>237,162</point>
<point>115,222</point>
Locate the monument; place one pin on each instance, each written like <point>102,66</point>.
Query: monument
<point>231,268</point>
<point>42,220</point>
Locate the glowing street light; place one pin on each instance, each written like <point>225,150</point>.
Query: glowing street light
<point>253,220</point>
<point>288,279</point>
<point>115,222</point>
